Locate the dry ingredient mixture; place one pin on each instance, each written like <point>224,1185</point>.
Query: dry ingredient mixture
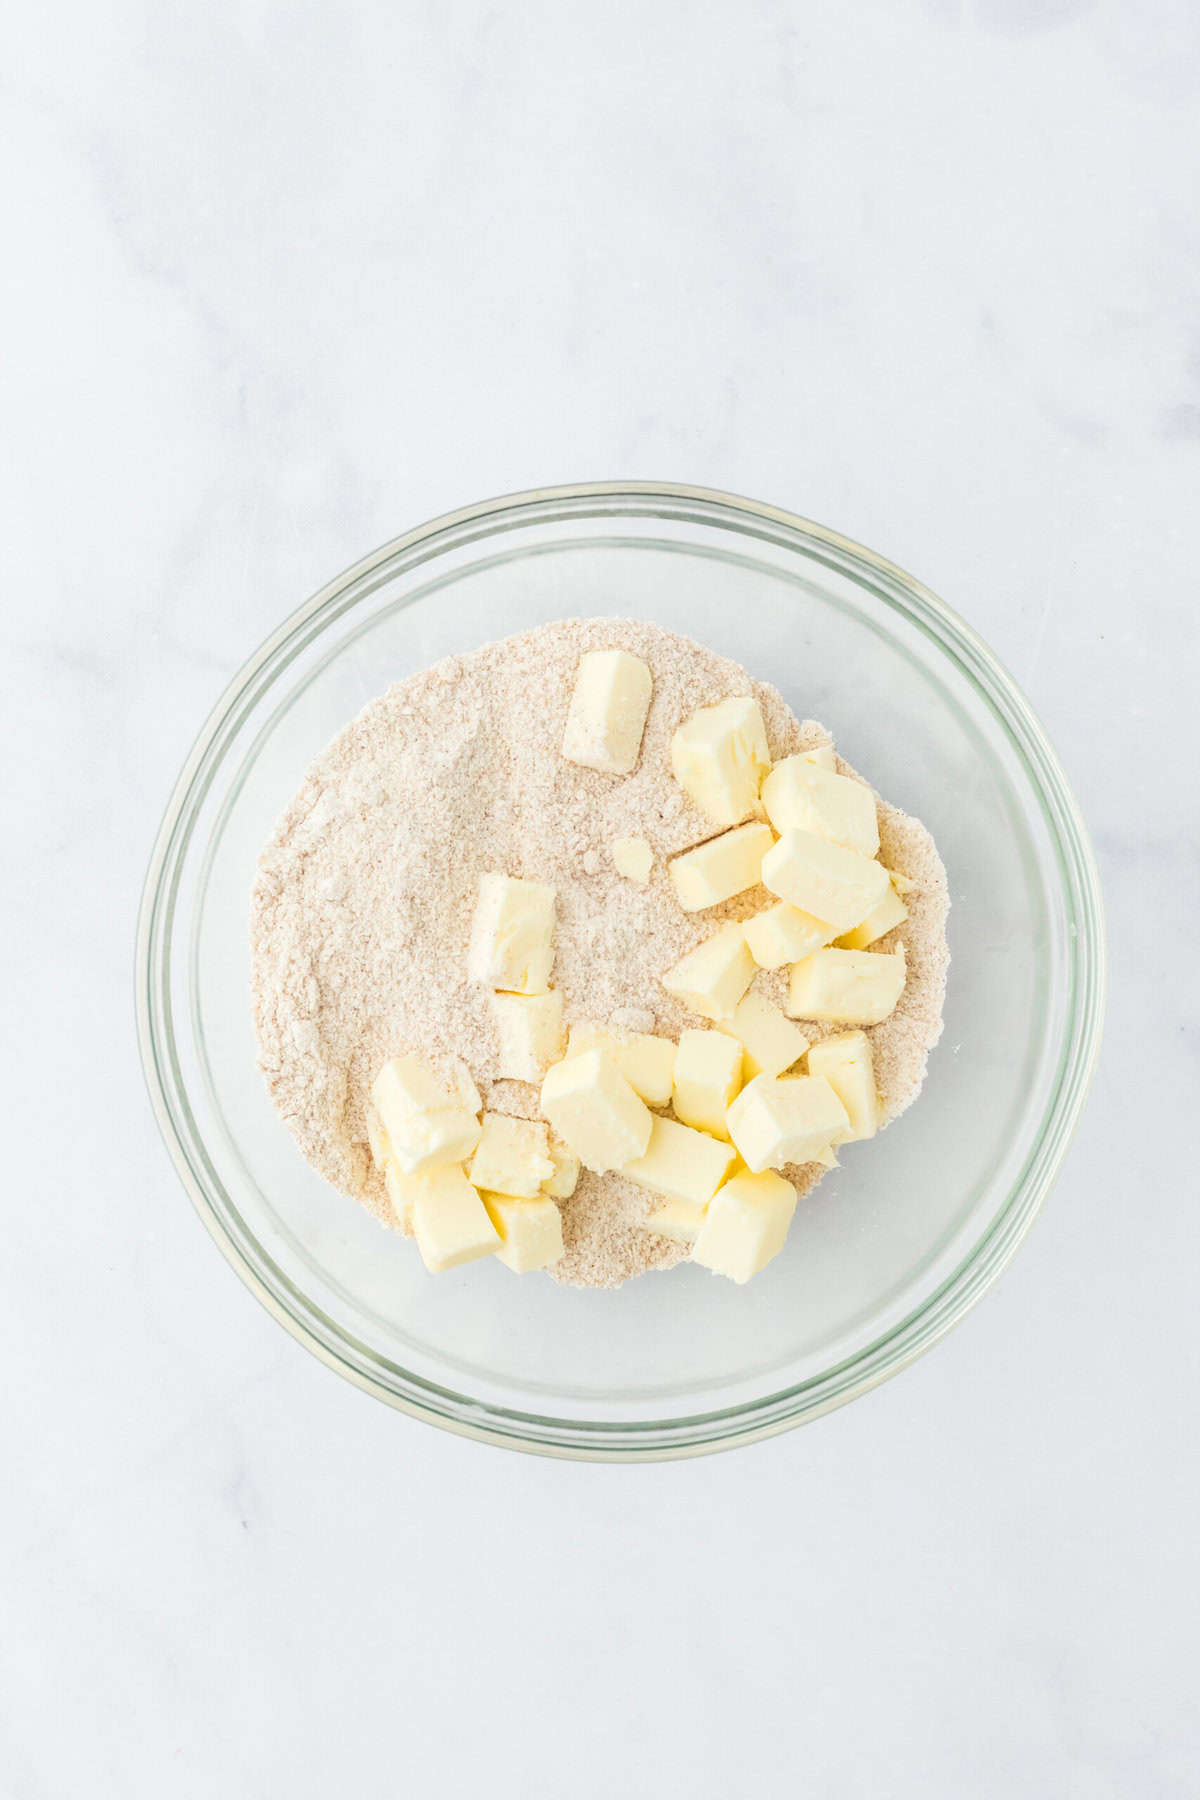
<point>363,903</point>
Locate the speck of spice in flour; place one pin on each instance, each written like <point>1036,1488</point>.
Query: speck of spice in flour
<point>362,904</point>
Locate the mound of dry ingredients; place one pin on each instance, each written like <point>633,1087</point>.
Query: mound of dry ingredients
<point>363,901</point>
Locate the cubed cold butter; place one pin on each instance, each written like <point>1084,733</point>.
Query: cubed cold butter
<point>821,756</point>
<point>847,987</point>
<point>720,756</point>
<point>745,1225</point>
<point>848,1065</point>
<point>644,1060</point>
<point>676,1219</point>
<point>595,1111</point>
<point>529,1032</point>
<point>563,1182</point>
<point>607,714</point>
<point>769,1041</point>
<point>783,934</point>
<point>377,1138</point>
<point>723,867</point>
<point>776,1120</point>
<point>711,979</point>
<point>512,935</point>
<point>708,1073</point>
<point>833,884</point>
<point>512,1157</point>
<point>633,858</point>
<point>450,1221</point>
<point>800,796</point>
<point>681,1163</point>
<point>427,1120</point>
<point>890,912</point>
<point>401,1189</point>
<point>530,1231</point>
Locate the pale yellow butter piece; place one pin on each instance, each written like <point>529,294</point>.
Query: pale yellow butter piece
<point>450,1221</point>
<point>401,1189</point>
<point>512,935</point>
<point>770,1042</point>
<point>681,1163</point>
<point>377,1138</point>
<point>711,979</point>
<point>821,757</point>
<point>529,1031</point>
<point>513,1156</point>
<point>777,1120</point>
<point>644,1060</point>
<point>427,1120</point>
<point>607,714</point>
<point>800,796</point>
<point>745,1225</point>
<point>563,1182</point>
<point>723,867</point>
<point>847,987</point>
<point>530,1231</point>
<point>595,1111</point>
<point>848,1065</point>
<point>633,858</point>
<point>833,884</point>
<point>708,1073</point>
<point>676,1219</point>
<point>720,756</point>
<point>903,884</point>
<point>827,1158</point>
<point>890,912</point>
<point>783,934</point>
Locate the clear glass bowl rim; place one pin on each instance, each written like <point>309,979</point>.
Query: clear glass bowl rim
<point>694,1434</point>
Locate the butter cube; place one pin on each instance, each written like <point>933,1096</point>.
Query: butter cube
<point>646,1061</point>
<point>903,884</point>
<point>890,912</point>
<point>833,884</point>
<point>401,1190</point>
<point>799,796</point>
<point>530,1231</point>
<point>377,1138</point>
<point>723,867</point>
<point>848,1065</point>
<point>783,934</point>
<point>677,1219</point>
<point>745,1225</point>
<point>427,1121</point>
<point>822,757</point>
<point>711,979</point>
<point>633,858</point>
<point>775,1121</point>
<point>512,936</point>
<point>529,1028</point>
<point>607,714</point>
<point>769,1041</point>
<point>513,1156</point>
<point>720,757</point>
<point>593,1108</point>
<point>681,1163</point>
<point>827,1158</point>
<point>847,987</point>
<point>450,1221</point>
<point>708,1073</point>
<point>563,1182</point>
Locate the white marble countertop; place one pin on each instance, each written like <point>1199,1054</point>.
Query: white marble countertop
<point>285,281</point>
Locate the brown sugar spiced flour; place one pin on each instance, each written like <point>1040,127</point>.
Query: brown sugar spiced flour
<point>365,897</point>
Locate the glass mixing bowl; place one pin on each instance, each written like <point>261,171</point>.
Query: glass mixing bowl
<point>893,1247</point>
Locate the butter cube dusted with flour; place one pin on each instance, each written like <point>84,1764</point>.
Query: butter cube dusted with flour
<point>708,1073</point>
<point>633,858</point>
<point>783,934</point>
<point>723,867</point>
<point>770,1043</point>
<point>530,1232</point>
<point>450,1221</point>
<point>512,1157</point>
<point>607,714</point>
<point>890,912</point>
<point>565,1179</point>
<point>833,884</point>
<point>711,979</point>
<point>529,1029</point>
<point>778,1120</point>
<point>745,1225</point>
<point>427,1120</point>
<point>679,1220</point>
<point>800,796</point>
<point>847,987</point>
<point>512,935</point>
<point>647,1062</point>
<point>595,1111</point>
<point>681,1163</point>
<point>720,756</point>
<point>848,1065</point>
<point>821,757</point>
